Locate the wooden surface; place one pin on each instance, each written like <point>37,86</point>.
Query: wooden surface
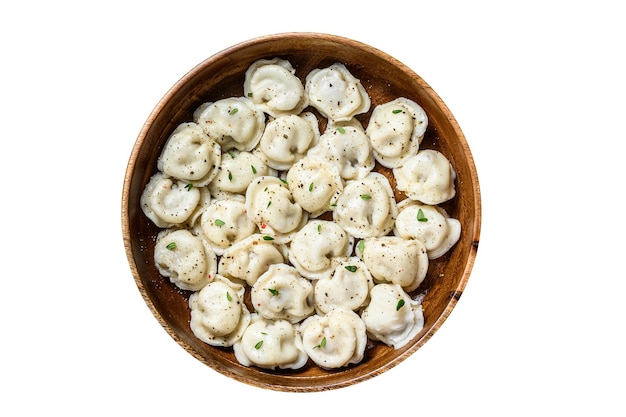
<point>221,76</point>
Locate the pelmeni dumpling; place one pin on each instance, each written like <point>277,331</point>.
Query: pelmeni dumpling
<point>336,93</point>
<point>273,87</point>
<point>334,340</point>
<point>367,207</point>
<point>225,222</point>
<point>391,316</point>
<point>396,130</point>
<point>429,224</point>
<point>271,206</point>
<point>219,315</point>
<point>348,149</point>
<point>287,139</point>
<point>282,293</point>
<point>168,202</point>
<point>190,155</point>
<point>236,171</point>
<point>427,177</point>
<point>395,260</point>
<point>184,259</point>
<point>234,122</point>
<point>270,344</point>
<point>315,184</point>
<point>319,247</point>
<point>348,287</point>
<point>249,258</point>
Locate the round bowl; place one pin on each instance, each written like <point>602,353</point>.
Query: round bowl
<point>221,76</point>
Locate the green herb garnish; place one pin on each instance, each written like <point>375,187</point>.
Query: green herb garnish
<point>396,111</point>
<point>189,186</point>
<point>366,196</point>
<point>420,216</point>
<point>341,130</point>
<point>274,291</point>
<point>258,345</point>
<point>321,345</point>
<point>233,110</point>
<point>351,268</point>
<point>228,297</point>
<point>400,304</point>
<point>230,176</point>
<point>361,245</point>
<point>219,222</point>
<point>171,245</point>
<point>267,237</point>
<point>310,187</point>
<point>253,169</point>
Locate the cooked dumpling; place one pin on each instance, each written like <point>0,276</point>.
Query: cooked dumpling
<point>336,93</point>
<point>168,202</point>
<point>190,155</point>
<point>395,260</point>
<point>427,177</point>
<point>270,344</point>
<point>315,184</point>
<point>225,222</point>
<point>287,139</point>
<point>249,258</point>
<point>348,149</point>
<point>232,122</point>
<point>319,247</point>
<point>396,130</point>
<point>236,171</point>
<point>282,293</point>
<point>334,340</point>
<point>273,87</point>
<point>392,317</point>
<point>219,315</point>
<point>184,259</point>
<point>271,206</point>
<point>367,207</point>
<point>429,224</point>
<point>348,287</point>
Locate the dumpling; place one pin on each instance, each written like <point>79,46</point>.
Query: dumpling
<point>281,293</point>
<point>184,259</point>
<point>348,149</point>
<point>367,207</point>
<point>190,155</point>
<point>392,317</point>
<point>168,202</point>
<point>287,139</point>
<point>336,93</point>
<point>273,87</point>
<point>270,344</point>
<point>219,315</point>
<point>396,130</point>
<point>249,258</point>
<point>315,184</point>
<point>233,122</point>
<point>271,206</point>
<point>225,222</point>
<point>429,224</point>
<point>334,340</point>
<point>236,171</point>
<point>348,287</point>
<point>395,260</point>
<point>427,177</point>
<point>319,247</point>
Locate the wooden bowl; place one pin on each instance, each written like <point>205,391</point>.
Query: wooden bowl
<point>221,76</point>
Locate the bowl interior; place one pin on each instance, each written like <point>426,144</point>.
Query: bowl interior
<point>221,76</point>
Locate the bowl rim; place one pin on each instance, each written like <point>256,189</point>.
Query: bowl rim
<point>193,72</point>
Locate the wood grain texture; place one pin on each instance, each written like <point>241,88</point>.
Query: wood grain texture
<point>221,76</point>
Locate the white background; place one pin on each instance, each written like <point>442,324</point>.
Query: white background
<point>538,89</point>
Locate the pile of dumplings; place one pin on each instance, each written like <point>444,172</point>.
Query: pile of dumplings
<point>293,247</point>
